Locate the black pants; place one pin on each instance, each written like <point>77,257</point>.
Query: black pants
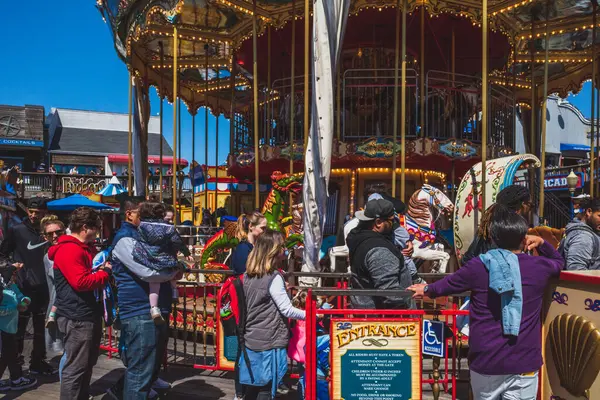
<point>258,392</point>
<point>82,348</point>
<point>9,356</point>
<point>37,312</point>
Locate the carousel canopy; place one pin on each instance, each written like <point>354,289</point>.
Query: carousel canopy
<point>211,32</point>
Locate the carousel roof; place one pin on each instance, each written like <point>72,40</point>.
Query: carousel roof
<point>210,32</point>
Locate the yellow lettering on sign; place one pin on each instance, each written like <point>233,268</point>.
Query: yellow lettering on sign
<point>346,337</point>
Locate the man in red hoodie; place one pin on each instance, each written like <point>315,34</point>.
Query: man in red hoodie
<point>79,314</point>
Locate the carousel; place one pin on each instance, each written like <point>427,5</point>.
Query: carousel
<point>424,94</point>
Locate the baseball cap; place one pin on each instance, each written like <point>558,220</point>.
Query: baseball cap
<point>38,203</point>
<point>374,209</point>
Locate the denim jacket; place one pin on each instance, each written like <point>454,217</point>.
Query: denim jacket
<point>505,279</point>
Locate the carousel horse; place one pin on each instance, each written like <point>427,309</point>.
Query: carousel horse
<point>420,224</point>
<point>419,221</point>
<point>226,239</point>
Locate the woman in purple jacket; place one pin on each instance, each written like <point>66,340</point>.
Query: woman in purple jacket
<point>507,289</point>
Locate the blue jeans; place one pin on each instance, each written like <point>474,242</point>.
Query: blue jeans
<point>142,347</point>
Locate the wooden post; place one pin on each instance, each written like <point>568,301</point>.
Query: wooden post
<point>255,108</point>
<point>306,71</point>
<point>544,108</point>
<point>175,95</point>
<point>130,137</point>
<point>484,100</point>
<point>395,131</point>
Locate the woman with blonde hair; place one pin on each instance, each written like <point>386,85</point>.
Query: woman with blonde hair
<point>266,330</point>
<point>249,228</point>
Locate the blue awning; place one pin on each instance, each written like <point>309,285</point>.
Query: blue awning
<point>574,147</point>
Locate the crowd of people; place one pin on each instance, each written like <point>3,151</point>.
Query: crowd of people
<point>51,273</point>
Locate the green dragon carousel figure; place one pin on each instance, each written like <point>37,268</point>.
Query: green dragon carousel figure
<point>226,239</point>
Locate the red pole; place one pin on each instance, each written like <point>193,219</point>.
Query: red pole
<point>310,348</point>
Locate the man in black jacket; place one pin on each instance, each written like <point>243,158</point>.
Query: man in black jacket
<point>24,244</point>
<point>375,261</point>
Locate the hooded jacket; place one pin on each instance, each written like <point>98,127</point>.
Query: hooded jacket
<point>74,280</point>
<point>376,263</point>
<point>580,247</point>
<point>24,244</point>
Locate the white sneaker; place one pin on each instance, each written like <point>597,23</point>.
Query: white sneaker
<point>153,394</point>
<point>160,384</point>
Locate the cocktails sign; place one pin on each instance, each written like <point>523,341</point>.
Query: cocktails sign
<point>377,358</point>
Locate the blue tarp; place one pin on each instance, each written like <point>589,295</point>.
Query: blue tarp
<point>72,202</point>
<point>574,147</point>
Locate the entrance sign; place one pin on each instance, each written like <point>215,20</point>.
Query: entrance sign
<point>376,359</point>
<point>433,338</point>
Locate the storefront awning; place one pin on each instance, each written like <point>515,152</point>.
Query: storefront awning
<point>573,147</point>
<point>167,160</point>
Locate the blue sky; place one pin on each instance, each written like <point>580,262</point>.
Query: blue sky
<point>60,54</point>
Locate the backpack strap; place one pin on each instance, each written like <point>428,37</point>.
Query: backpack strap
<point>243,310</point>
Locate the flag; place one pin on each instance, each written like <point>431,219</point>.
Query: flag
<point>197,174</point>
<point>329,23</point>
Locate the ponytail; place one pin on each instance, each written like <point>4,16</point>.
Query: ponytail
<point>244,222</point>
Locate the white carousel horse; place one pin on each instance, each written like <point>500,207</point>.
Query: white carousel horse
<point>419,223</point>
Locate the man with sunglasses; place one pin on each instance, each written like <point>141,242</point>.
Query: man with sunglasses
<point>25,245</point>
<point>375,262</point>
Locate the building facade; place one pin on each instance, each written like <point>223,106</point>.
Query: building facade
<point>22,136</point>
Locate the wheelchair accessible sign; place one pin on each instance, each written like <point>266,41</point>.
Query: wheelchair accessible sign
<point>433,338</point>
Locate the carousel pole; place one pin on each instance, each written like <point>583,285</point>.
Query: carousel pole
<point>292,99</point>
<point>255,107</point>
<point>533,96</point>
<point>175,79</point>
<point>216,145</point>
<point>453,71</point>
<point>544,108</point>
<point>268,99</point>
<point>396,64</point>
<point>403,110</point>
<point>162,88</point>
<point>232,108</point>
<point>339,102</point>
<point>130,137</point>
<point>484,100</point>
<point>179,152</point>
<point>422,72</point>
<point>206,47</point>
<point>193,160</point>
<point>592,131</point>
<point>306,70</point>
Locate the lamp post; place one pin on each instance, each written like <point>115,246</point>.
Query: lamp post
<point>572,181</point>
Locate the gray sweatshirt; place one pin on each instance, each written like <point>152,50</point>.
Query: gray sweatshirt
<point>580,247</point>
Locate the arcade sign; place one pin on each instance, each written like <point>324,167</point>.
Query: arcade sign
<point>555,182</point>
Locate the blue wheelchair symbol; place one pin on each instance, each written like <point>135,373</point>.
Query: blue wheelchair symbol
<point>433,338</point>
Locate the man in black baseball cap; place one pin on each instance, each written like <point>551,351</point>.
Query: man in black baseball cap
<point>375,262</point>
<point>24,244</point>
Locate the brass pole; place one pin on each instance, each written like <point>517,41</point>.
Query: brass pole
<point>306,70</point>
<point>292,99</point>
<point>216,147</point>
<point>162,88</point>
<point>130,137</point>
<point>175,93</point>
<point>396,64</point>
<point>592,132</point>
<point>339,102</point>
<point>422,71</point>
<point>403,110</point>
<point>179,152</point>
<point>533,95</point>
<point>255,97</point>
<point>206,115</point>
<point>268,100</point>
<point>484,100</point>
<point>544,108</point>
<point>232,108</point>
<point>192,166</point>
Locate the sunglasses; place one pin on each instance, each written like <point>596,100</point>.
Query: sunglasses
<point>55,233</point>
